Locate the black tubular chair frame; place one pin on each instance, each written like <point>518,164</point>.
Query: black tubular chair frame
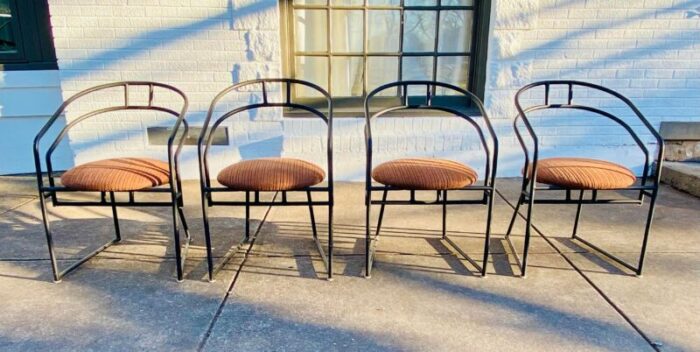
<point>208,191</point>
<point>174,186</point>
<point>650,179</point>
<point>488,188</point>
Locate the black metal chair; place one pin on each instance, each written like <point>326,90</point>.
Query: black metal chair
<point>117,175</point>
<point>429,174</point>
<point>273,175</point>
<point>582,174</point>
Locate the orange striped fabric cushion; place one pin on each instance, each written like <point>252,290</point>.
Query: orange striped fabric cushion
<point>582,173</point>
<point>424,174</point>
<point>119,174</point>
<point>271,174</point>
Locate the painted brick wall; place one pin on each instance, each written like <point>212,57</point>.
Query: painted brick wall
<point>647,49</point>
<point>199,46</point>
<point>21,118</point>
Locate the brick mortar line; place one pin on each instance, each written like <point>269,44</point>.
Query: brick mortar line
<point>220,308</point>
<point>590,282</point>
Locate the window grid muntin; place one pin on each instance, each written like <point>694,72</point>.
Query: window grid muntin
<point>435,54</point>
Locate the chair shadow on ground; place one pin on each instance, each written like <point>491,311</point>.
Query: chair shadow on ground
<point>291,239</point>
<point>144,241</point>
<point>597,259</point>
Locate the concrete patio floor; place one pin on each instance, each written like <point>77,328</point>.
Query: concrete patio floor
<point>272,297</point>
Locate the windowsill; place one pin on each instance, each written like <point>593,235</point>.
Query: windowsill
<point>350,109</point>
<point>34,66</point>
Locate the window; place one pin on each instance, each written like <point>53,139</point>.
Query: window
<point>25,36</point>
<point>350,47</point>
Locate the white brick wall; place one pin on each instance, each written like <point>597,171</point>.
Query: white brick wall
<point>648,50</point>
<point>21,118</point>
<point>199,46</point>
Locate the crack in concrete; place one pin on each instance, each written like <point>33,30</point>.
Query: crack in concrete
<point>19,205</point>
<point>234,279</point>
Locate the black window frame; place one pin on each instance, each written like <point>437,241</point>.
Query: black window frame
<point>352,106</point>
<point>32,30</point>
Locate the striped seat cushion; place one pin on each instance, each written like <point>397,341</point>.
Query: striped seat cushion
<point>581,173</point>
<point>119,174</point>
<point>271,174</point>
<point>424,174</point>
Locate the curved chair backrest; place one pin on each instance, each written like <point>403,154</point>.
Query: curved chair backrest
<point>205,139</point>
<point>430,103</point>
<point>124,104</point>
<point>572,105</point>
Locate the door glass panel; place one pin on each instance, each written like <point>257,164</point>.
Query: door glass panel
<point>310,2</point>
<point>457,2</point>
<point>346,76</point>
<point>382,70</point>
<point>384,30</point>
<point>419,31</point>
<point>313,69</point>
<point>453,70</point>
<point>420,2</point>
<point>417,68</point>
<point>347,2</point>
<point>348,33</point>
<point>455,31</point>
<point>384,2</point>
<point>8,42</point>
<point>310,30</point>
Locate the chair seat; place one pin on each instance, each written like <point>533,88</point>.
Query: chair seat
<point>581,173</point>
<point>118,174</point>
<point>271,174</point>
<point>424,174</point>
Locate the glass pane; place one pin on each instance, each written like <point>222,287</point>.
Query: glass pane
<point>384,29</point>
<point>346,76</point>
<point>417,68</point>
<point>347,31</point>
<point>382,70</point>
<point>347,2</point>
<point>310,2</point>
<point>310,30</point>
<point>7,37</point>
<point>384,2</point>
<point>314,70</point>
<point>419,31</point>
<point>420,2</point>
<point>455,31</point>
<point>453,70</point>
<point>457,2</point>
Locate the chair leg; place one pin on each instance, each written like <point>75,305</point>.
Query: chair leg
<point>528,230</point>
<point>578,214</point>
<point>368,240</point>
<point>183,221</point>
<point>207,236</point>
<point>49,238</point>
<point>178,248</point>
<point>515,215</point>
<point>330,242</point>
<point>444,214</point>
<point>113,202</point>
<point>487,240</point>
<point>58,275</point>
<point>312,216</point>
<point>247,216</point>
<point>647,230</point>
<point>381,215</point>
